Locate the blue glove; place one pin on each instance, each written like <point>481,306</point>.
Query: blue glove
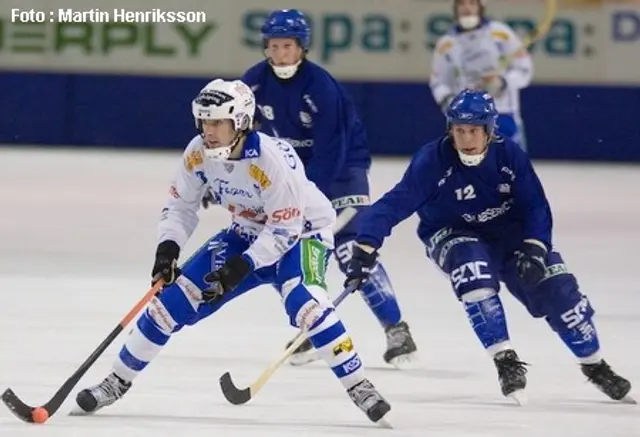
<point>531,262</point>
<point>360,266</point>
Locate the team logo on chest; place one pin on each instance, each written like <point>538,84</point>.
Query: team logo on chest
<point>504,188</point>
<point>310,103</point>
<point>226,189</point>
<point>306,119</point>
<point>267,112</point>
<point>446,175</point>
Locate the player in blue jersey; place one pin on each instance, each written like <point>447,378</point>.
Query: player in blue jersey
<point>484,218</point>
<point>301,102</point>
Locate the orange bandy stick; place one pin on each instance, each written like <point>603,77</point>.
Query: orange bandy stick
<point>25,412</point>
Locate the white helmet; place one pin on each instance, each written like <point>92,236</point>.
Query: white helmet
<point>225,100</point>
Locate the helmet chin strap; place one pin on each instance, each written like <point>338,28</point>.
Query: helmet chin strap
<point>223,153</point>
<point>285,71</point>
<point>474,160</point>
<point>469,22</point>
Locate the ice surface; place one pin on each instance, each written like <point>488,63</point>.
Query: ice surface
<point>77,236</point>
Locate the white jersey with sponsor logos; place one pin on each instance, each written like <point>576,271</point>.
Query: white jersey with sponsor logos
<point>272,202</point>
<point>461,59</point>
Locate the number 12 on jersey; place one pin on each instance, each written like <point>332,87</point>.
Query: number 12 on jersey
<point>465,193</point>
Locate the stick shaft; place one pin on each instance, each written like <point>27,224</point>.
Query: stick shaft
<point>24,411</point>
<point>238,396</point>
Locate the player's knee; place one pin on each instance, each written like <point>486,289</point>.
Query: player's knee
<point>288,286</point>
<point>191,293</point>
<point>558,298</point>
<point>311,314</point>
<point>471,276</point>
<point>158,316</point>
<point>176,306</point>
<point>478,295</point>
<point>461,255</point>
<point>305,310</point>
<point>441,244</point>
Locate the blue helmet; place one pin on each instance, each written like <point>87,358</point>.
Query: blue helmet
<point>287,23</point>
<point>473,107</point>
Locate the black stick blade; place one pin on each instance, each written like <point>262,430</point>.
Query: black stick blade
<point>233,394</point>
<point>17,407</point>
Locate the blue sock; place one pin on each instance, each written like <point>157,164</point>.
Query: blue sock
<point>379,296</point>
<point>488,320</point>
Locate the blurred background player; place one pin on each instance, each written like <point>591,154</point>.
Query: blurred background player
<point>484,218</point>
<point>279,219</point>
<point>482,54</point>
<point>302,103</point>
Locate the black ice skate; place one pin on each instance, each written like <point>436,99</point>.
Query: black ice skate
<point>367,398</point>
<point>101,395</point>
<point>305,353</point>
<point>608,381</point>
<point>401,349</point>
<point>511,374</point>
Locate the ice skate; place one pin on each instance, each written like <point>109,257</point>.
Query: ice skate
<point>305,354</point>
<point>608,382</point>
<point>101,395</point>
<point>511,374</point>
<point>367,398</point>
<point>401,349</point>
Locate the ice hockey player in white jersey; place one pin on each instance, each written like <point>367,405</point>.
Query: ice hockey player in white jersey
<point>482,54</point>
<point>281,234</point>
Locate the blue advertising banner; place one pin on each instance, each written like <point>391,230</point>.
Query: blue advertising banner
<point>117,73</point>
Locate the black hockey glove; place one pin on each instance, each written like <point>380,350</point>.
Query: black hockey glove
<point>209,200</point>
<point>360,266</point>
<point>226,278</point>
<point>166,264</point>
<point>530,261</point>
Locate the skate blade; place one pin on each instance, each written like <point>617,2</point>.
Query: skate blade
<point>409,361</point>
<point>384,423</point>
<point>519,397</point>
<point>628,400</point>
<point>304,358</point>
